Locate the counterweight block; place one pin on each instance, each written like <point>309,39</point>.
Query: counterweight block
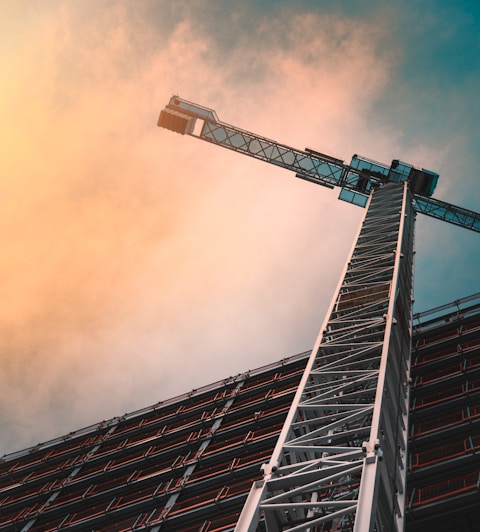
<point>176,121</point>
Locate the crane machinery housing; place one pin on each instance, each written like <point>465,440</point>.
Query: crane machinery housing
<point>340,459</point>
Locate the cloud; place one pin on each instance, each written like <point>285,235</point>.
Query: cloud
<point>141,264</point>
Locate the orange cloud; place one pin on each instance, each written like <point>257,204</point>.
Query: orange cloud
<point>138,264</point>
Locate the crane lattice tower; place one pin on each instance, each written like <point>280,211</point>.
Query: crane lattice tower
<point>340,460</point>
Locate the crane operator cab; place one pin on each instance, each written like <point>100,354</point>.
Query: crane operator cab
<point>422,181</point>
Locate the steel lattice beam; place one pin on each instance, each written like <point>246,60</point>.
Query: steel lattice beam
<point>340,460</point>
<point>356,180</point>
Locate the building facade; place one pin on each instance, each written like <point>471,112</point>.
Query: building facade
<point>187,464</point>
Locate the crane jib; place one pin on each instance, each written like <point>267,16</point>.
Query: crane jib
<point>272,152</point>
<point>356,180</point>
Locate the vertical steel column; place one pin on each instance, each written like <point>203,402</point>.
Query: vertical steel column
<point>339,463</point>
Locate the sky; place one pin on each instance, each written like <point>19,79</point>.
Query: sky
<point>138,264</point>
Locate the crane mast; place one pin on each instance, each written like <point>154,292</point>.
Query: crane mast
<point>339,463</point>
<point>340,460</point>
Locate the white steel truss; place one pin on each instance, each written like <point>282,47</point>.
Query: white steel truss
<point>339,463</point>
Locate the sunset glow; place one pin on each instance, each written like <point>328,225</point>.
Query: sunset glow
<point>138,264</point>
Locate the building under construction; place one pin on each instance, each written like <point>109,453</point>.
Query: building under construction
<point>372,431</point>
<point>187,464</point>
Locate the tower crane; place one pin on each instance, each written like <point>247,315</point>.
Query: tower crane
<point>340,459</point>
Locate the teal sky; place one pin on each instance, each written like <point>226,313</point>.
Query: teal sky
<point>139,264</point>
